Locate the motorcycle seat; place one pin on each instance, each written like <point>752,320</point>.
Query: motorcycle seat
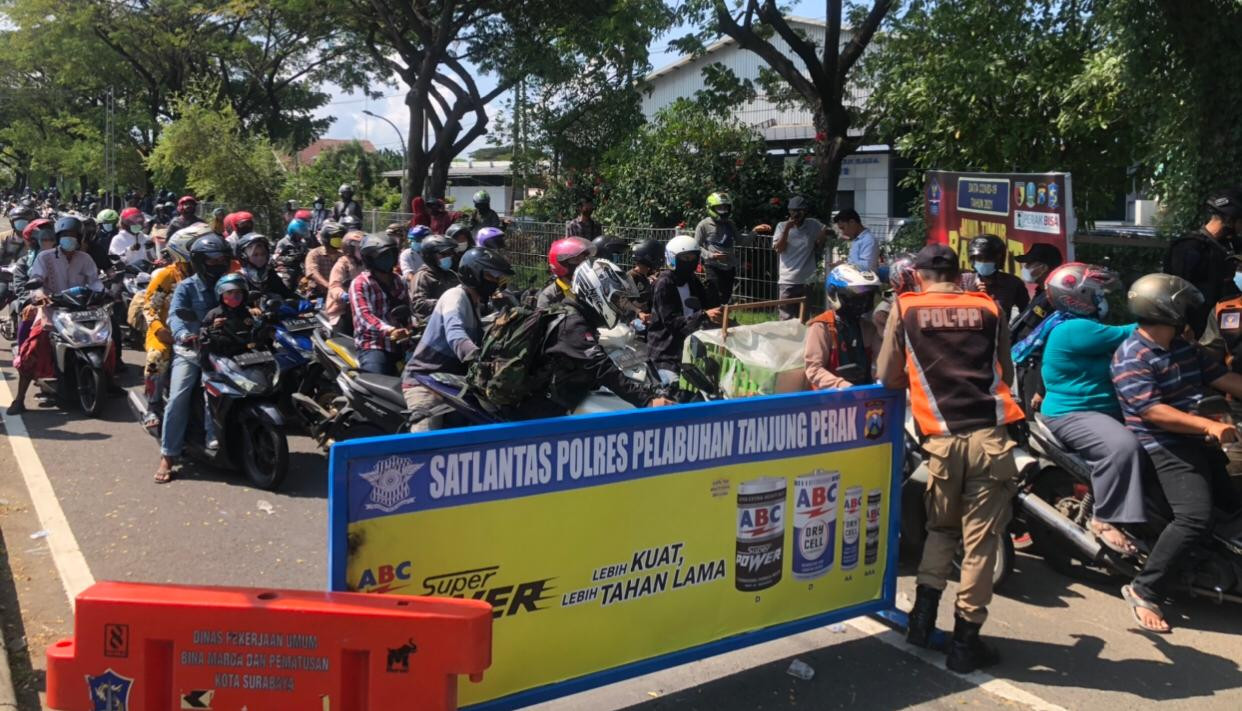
<point>385,387</point>
<point>1056,451</point>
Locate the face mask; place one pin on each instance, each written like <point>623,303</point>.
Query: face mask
<point>985,268</point>
<point>318,206</point>
<point>683,272</point>
<point>135,229</point>
<point>487,288</point>
<point>385,262</point>
<point>258,259</point>
<point>335,242</point>
<point>1237,280</point>
<point>105,228</point>
<point>232,298</point>
<point>19,226</point>
<point>68,244</point>
<point>446,263</point>
<point>1027,276</point>
<point>1102,309</point>
<point>461,247</point>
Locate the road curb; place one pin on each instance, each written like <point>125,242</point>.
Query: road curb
<point>8,696</point>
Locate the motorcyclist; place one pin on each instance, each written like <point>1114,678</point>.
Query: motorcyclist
<point>1159,376</point>
<point>484,215</point>
<point>988,256</point>
<point>159,341</point>
<point>373,296</point>
<point>490,238</point>
<point>187,214</point>
<point>1200,256</point>
<point>680,305</point>
<point>411,255</point>
<point>717,236</point>
<point>346,205</point>
<point>441,218</point>
<point>321,259</point>
<point>290,255</point>
<point>459,232</point>
<point>319,214</point>
<point>11,242</point>
<point>564,256</point>
<point>217,220</point>
<point>39,235</point>
<point>210,259</point>
<point>902,278</point>
<point>648,256</point>
<point>1038,262</point>
<point>59,269</point>
<point>454,332</point>
<point>435,277</point>
<point>253,251</point>
<point>131,244</point>
<point>237,225</point>
<point>229,328</point>
<point>841,343</point>
<point>336,305</point>
<point>99,244</point>
<point>610,247</point>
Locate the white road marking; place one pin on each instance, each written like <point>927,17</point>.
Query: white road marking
<point>986,682</point>
<point>75,574</point>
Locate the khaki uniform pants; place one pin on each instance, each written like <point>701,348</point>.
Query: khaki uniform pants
<point>419,397</point>
<point>972,479</point>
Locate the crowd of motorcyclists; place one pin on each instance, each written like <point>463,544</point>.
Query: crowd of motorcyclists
<point>421,316</point>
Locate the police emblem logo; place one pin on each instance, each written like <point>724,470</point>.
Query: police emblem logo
<point>390,483</point>
<point>873,426</point>
<point>109,691</point>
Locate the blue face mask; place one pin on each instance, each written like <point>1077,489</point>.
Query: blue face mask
<point>1237,280</point>
<point>1102,311</point>
<point>985,268</point>
<point>446,263</point>
<point>68,244</point>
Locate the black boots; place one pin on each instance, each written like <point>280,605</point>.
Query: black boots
<point>967,652</point>
<point>922,620</point>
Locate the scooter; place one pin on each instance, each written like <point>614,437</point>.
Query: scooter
<point>83,358</point>
<point>134,279</point>
<point>1056,501</point>
<point>242,399</point>
<point>9,315</point>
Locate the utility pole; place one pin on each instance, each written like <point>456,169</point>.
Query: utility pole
<point>405,151</point>
<point>109,149</point>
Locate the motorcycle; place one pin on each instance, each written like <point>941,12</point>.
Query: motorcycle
<point>134,279</point>
<point>83,359</point>
<point>242,399</point>
<point>9,311</point>
<point>297,369</point>
<point>1056,501</point>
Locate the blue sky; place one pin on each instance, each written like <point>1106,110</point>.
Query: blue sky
<point>352,123</point>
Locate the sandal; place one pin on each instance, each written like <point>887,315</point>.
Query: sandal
<point>1114,538</point>
<point>1136,602</point>
<point>163,475</point>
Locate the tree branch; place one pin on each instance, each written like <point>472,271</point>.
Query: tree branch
<point>779,62</point>
<point>862,37</point>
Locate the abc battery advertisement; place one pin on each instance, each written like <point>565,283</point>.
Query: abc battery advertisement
<point>1020,208</point>
<point>616,544</point>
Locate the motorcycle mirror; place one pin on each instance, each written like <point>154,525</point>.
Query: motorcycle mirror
<point>273,303</point>
<point>34,284</point>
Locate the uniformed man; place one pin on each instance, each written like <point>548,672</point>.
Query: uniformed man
<point>1038,262</point>
<point>1201,256</point>
<point>961,406</point>
<point>1223,336</point>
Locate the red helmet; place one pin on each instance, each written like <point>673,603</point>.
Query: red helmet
<point>132,216</point>
<point>187,200</point>
<point>34,226</point>
<point>567,253</point>
<point>234,222</point>
<point>303,215</point>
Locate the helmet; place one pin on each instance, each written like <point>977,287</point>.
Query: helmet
<point>345,188</point>
<point>988,248</point>
<point>303,215</point>
<point>246,241</point>
<point>1080,289</point>
<point>605,292</point>
<point>69,225</point>
<point>330,229</point>
<point>417,234</point>
<point>243,223</point>
<point>432,247</point>
<point>680,248</point>
<point>297,227</point>
<point>349,245</point>
<point>187,201</point>
<point>209,255</point>
<point>351,222</point>
<point>1226,203</point>
<point>567,253</point>
<point>456,229</point>
<point>848,284</point>
<point>477,264</point>
<point>902,275</point>
<point>490,238</point>
<point>719,204</point>
<point>650,253</point>
<point>434,202</point>
<point>34,228</point>
<point>319,200</point>
<point>610,247</point>
<point>180,243</point>
<point>24,213</point>
<point>1162,298</point>
<point>482,199</point>
<point>132,216</point>
<point>108,216</point>
<point>219,213</point>
<point>374,248</point>
<point>229,282</point>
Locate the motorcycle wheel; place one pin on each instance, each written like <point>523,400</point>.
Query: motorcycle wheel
<point>264,453</point>
<point>8,329</point>
<point>91,389</point>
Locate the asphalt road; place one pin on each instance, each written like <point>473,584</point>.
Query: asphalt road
<point>1066,642</point>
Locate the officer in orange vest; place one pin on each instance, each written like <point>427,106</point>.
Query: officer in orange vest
<point>951,348</point>
<point>1223,335</point>
<point>841,342</point>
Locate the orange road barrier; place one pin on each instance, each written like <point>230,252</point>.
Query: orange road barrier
<point>139,647</point>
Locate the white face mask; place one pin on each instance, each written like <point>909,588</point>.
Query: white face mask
<point>1027,276</point>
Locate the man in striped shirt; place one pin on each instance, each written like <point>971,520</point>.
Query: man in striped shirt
<point>1160,377</point>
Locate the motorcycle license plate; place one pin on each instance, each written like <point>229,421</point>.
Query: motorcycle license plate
<point>304,323</point>
<point>254,358</point>
<point>84,316</point>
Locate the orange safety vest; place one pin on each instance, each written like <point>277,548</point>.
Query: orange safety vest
<point>829,319</point>
<point>952,359</point>
<point>1229,321</point>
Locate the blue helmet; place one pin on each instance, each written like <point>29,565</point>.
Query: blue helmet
<point>298,227</point>
<point>846,283</point>
<point>229,282</point>
<point>416,234</point>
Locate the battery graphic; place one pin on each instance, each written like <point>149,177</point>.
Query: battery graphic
<point>871,551</point>
<point>851,527</point>
<point>815,523</point>
<point>760,533</point>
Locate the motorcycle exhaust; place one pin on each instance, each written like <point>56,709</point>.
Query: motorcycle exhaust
<point>1055,520</point>
<point>1215,595</point>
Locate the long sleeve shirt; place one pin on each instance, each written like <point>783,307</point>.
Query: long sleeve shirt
<point>865,252</point>
<point>343,273</point>
<point>132,248</point>
<point>371,304</point>
<point>452,337</point>
<point>60,270</point>
<point>318,267</point>
<point>193,295</point>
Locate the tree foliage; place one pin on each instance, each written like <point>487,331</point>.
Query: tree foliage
<point>348,163</point>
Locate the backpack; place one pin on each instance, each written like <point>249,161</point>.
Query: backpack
<point>507,369</point>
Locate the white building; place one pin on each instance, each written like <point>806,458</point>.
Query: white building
<point>868,178</point>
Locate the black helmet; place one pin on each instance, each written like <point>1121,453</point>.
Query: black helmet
<point>1226,203</point>
<point>69,225</point>
<point>330,229</point>
<point>476,264</point>
<point>351,223</point>
<point>609,247</point>
<point>23,212</point>
<point>209,255</point>
<point>456,229</point>
<point>988,248</point>
<point>239,249</point>
<point>649,253</point>
<point>432,247</point>
<point>1162,298</point>
<point>345,188</point>
<point>375,248</point>
<point>319,200</point>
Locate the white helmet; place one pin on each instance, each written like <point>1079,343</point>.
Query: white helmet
<point>847,282</point>
<point>604,288</point>
<point>677,246</point>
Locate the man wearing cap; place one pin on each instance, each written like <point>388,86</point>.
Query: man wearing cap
<point>1037,263</point>
<point>797,241</point>
<point>864,246</point>
<point>961,409</point>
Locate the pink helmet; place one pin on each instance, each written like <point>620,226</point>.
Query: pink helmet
<point>1080,289</point>
<point>567,253</point>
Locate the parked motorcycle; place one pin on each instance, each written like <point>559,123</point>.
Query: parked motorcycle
<point>83,358</point>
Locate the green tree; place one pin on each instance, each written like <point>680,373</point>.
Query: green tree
<point>348,163</point>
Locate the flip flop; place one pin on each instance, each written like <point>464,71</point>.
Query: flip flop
<point>1100,528</point>
<point>163,476</point>
<point>1135,602</point>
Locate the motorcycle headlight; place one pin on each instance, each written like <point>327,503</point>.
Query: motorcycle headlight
<point>246,379</point>
<point>84,328</point>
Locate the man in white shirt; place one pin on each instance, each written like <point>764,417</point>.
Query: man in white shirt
<point>131,244</point>
<point>797,242</point>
